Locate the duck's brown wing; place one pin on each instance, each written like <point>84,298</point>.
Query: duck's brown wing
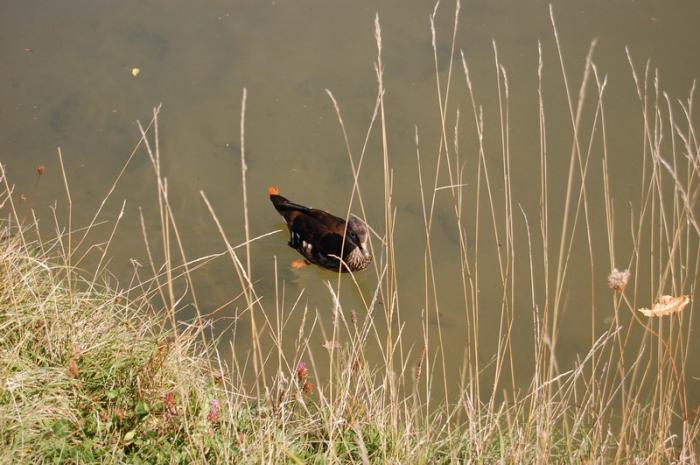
<point>290,210</point>
<point>315,241</point>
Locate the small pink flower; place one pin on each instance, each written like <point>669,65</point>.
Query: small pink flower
<point>302,372</point>
<point>213,415</point>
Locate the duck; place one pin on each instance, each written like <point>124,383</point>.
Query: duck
<point>321,237</point>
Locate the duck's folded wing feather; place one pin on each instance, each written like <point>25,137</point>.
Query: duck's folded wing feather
<point>329,221</point>
<point>305,229</point>
<point>331,244</point>
<point>315,240</point>
<point>291,211</point>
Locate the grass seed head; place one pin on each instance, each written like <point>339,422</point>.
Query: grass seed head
<point>618,280</point>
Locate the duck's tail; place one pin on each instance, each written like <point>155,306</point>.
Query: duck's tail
<point>282,204</point>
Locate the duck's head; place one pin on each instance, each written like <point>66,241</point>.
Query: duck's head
<point>358,235</point>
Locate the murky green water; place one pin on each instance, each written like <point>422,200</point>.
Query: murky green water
<point>73,88</point>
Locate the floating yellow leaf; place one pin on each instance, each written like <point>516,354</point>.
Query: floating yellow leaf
<point>135,71</point>
<point>667,305</point>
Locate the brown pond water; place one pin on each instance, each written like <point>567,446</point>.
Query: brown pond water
<point>67,82</point>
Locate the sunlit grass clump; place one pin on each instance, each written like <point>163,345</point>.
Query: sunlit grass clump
<point>87,376</point>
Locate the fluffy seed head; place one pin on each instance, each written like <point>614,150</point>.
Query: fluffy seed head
<point>618,279</point>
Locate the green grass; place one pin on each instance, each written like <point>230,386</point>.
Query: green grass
<point>85,374</point>
<point>89,374</point>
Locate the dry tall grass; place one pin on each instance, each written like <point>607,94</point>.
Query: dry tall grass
<point>88,375</point>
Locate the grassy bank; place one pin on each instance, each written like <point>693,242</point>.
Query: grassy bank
<point>91,377</point>
<point>89,374</point>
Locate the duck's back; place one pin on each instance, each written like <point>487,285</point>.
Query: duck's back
<point>316,234</point>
